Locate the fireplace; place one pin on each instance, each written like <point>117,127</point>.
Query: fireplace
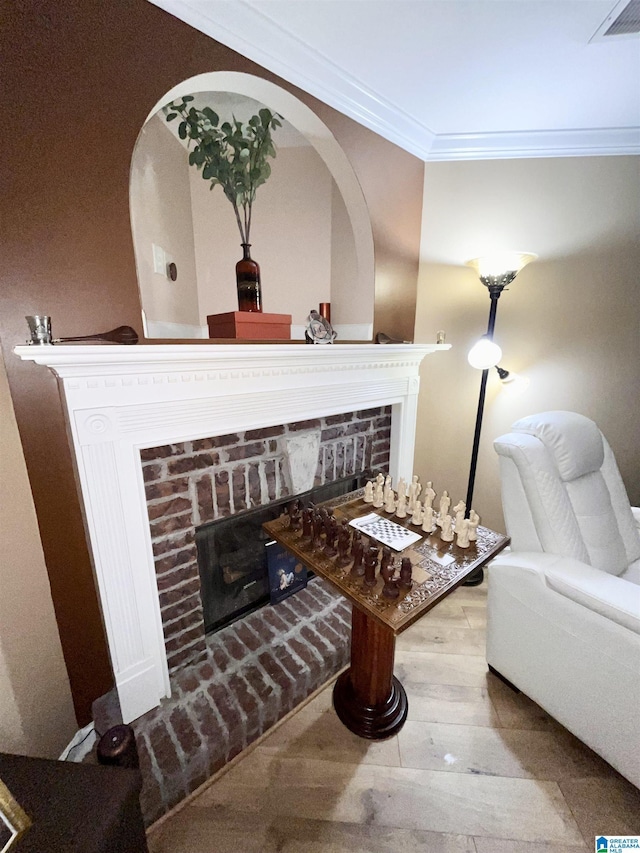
<point>123,400</point>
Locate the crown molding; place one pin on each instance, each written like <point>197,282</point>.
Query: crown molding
<point>249,32</point>
<point>245,29</point>
<point>536,143</point>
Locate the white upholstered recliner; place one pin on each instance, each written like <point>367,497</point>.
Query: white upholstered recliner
<point>564,602</point>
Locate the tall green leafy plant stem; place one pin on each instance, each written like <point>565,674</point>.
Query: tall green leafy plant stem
<point>230,154</point>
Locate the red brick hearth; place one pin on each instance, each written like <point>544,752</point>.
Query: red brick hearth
<point>252,674</point>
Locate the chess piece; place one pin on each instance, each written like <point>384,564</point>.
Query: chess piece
<point>378,496</point>
<point>416,518</point>
<point>446,533</point>
<point>390,502</point>
<point>460,508</point>
<point>474,521</point>
<point>427,519</point>
<point>402,487</point>
<point>428,496</point>
<point>380,479</point>
<point>445,503</point>
<point>318,530</point>
<point>357,552</point>
<point>368,492</point>
<point>462,533</point>
<point>331,534</point>
<point>295,518</point>
<point>370,563</point>
<point>401,505</point>
<point>405,573</point>
<point>414,491</point>
<point>344,542</point>
<point>390,588</point>
<point>307,524</point>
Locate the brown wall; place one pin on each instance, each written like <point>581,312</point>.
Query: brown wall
<point>81,77</point>
<point>569,322</point>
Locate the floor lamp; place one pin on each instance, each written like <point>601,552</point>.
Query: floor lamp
<point>495,272</point>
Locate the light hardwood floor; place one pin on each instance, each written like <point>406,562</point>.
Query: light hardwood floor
<point>476,769</point>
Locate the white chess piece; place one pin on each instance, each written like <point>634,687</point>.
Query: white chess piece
<point>401,506</point>
<point>416,518</point>
<point>390,501</point>
<point>386,490</point>
<point>474,521</point>
<point>445,503</point>
<point>427,519</point>
<point>459,509</point>
<point>378,497</point>
<point>429,495</point>
<point>380,479</point>
<point>402,487</point>
<point>414,491</point>
<point>462,533</point>
<point>447,529</point>
<point>368,493</point>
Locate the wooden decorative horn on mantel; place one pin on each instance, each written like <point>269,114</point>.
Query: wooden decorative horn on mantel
<point>120,335</point>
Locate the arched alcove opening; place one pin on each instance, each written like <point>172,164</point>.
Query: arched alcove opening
<point>311,231</point>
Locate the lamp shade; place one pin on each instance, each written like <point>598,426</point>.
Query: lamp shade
<point>484,354</point>
<point>498,263</point>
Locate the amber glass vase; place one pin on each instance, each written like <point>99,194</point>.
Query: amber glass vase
<point>248,282</point>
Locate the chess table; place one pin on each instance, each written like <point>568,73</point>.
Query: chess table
<point>367,697</point>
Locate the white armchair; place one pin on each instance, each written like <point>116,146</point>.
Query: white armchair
<point>564,602</point>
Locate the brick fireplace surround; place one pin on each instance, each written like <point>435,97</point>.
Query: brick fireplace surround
<point>123,401</point>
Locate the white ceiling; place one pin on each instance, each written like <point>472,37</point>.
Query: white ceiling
<point>449,79</point>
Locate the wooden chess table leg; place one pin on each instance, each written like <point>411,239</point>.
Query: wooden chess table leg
<point>368,698</point>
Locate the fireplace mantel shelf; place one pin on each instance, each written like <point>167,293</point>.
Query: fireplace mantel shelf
<point>121,399</point>
<point>99,359</point>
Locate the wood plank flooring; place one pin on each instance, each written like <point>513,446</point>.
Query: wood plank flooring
<point>476,769</point>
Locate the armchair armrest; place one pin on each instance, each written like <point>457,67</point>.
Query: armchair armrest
<point>608,595</point>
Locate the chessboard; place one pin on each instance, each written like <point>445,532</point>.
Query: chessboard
<point>438,567</point>
<point>386,531</point>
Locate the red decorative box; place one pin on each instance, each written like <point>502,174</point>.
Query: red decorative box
<point>250,326</point>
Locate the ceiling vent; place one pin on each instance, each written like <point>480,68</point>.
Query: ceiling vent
<point>622,22</point>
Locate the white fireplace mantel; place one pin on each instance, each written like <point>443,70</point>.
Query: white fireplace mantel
<point>121,399</point>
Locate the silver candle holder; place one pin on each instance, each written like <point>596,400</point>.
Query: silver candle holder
<point>39,329</point>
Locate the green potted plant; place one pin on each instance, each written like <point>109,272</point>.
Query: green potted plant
<point>235,156</point>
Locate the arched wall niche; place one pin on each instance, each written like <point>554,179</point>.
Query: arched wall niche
<point>172,309</point>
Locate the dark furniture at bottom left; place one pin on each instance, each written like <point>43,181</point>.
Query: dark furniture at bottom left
<point>76,808</point>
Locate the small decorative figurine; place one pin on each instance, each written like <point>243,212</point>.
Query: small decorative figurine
<point>370,563</point>
<point>416,518</point>
<point>307,524</point>
<point>390,502</point>
<point>405,573</point>
<point>429,495</point>
<point>318,529</point>
<point>460,508</point>
<point>401,505</point>
<point>368,492</point>
<point>428,524</point>
<point>295,519</point>
<point>462,533</point>
<point>331,530</point>
<point>414,492</point>
<point>447,529</point>
<point>474,521</point>
<point>357,552</point>
<point>390,588</point>
<point>445,503</point>
<point>344,543</point>
<point>378,496</point>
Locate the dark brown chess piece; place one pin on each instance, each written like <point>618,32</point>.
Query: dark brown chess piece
<point>390,588</point>
<point>357,537</point>
<point>344,543</point>
<point>405,573</point>
<point>331,529</point>
<point>318,530</point>
<point>295,519</point>
<point>307,524</point>
<point>357,552</point>
<point>370,563</point>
